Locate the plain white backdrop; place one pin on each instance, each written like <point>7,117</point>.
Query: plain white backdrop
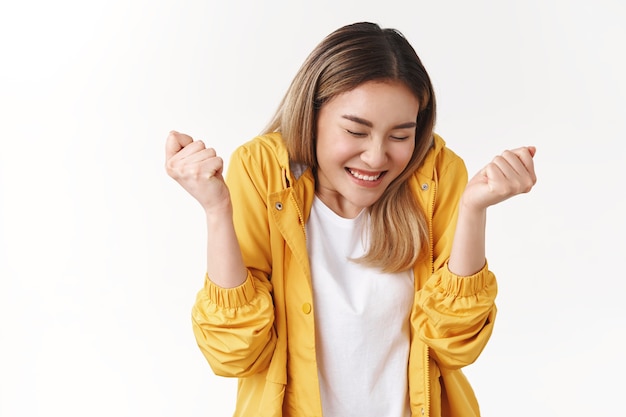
<point>101,253</point>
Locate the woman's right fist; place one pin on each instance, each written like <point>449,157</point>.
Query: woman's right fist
<point>198,170</point>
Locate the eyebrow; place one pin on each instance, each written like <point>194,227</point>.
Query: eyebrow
<point>367,123</point>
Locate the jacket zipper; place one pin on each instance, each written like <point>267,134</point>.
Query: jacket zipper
<point>432,271</point>
<point>300,216</point>
<point>287,185</point>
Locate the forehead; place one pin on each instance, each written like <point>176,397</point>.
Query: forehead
<point>375,101</point>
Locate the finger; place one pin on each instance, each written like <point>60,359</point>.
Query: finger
<point>492,175</point>
<point>519,178</point>
<point>509,164</point>
<point>207,168</point>
<point>526,156</point>
<point>525,150</point>
<point>175,142</point>
<point>200,155</point>
<point>216,168</point>
<point>192,148</point>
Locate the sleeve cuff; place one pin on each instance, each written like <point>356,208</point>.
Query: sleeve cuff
<point>230,297</point>
<point>466,286</point>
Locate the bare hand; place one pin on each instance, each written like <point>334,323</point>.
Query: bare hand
<point>509,174</point>
<point>198,170</point>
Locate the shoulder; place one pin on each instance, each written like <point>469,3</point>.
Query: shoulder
<point>266,155</point>
<point>268,149</point>
<point>262,162</point>
<point>441,160</point>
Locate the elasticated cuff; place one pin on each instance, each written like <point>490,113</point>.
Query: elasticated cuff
<point>466,286</point>
<point>230,297</point>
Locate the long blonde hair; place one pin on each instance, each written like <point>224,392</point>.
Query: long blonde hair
<point>345,59</point>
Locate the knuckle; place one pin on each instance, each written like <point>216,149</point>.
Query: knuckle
<point>169,166</point>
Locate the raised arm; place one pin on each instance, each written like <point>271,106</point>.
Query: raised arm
<point>457,304</point>
<point>199,171</point>
<point>233,316</point>
<point>507,175</point>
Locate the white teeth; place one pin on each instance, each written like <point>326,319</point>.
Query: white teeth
<point>364,177</point>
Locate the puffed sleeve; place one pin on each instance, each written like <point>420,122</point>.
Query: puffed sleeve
<point>457,312</point>
<point>234,327</point>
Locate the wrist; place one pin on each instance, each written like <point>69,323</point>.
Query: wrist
<point>219,213</point>
<point>469,208</point>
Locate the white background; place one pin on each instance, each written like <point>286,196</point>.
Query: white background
<point>101,253</point>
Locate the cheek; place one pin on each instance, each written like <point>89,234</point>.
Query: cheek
<point>335,152</point>
<point>403,154</point>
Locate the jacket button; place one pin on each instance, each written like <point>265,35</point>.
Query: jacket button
<point>279,206</point>
<point>424,187</point>
<point>306,308</point>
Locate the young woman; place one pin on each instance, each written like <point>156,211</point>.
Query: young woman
<point>346,270</point>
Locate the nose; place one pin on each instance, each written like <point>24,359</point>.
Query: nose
<point>375,154</point>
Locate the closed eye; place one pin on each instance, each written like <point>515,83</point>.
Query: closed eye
<point>357,134</point>
<point>399,137</point>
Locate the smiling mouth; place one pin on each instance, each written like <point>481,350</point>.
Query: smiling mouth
<point>362,177</point>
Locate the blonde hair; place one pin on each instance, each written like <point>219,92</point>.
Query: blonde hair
<point>345,59</point>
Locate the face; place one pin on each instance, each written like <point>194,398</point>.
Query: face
<point>365,139</point>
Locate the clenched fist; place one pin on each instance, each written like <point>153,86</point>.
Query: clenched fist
<point>507,175</point>
<point>198,170</point>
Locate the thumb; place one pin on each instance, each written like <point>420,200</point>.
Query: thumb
<point>175,142</point>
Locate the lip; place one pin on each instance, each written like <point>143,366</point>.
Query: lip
<point>366,182</point>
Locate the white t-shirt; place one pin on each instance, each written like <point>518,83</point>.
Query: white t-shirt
<point>361,321</point>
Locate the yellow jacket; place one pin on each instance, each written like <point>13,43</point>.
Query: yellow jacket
<point>263,333</point>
